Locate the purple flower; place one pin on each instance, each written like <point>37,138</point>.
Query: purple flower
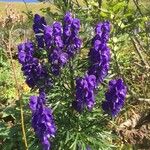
<point>62,42</point>
<point>42,120</point>
<point>30,65</point>
<point>32,71</point>
<point>67,26</point>
<point>88,148</point>
<point>105,31</point>
<point>68,19</point>
<point>48,36</point>
<point>84,93</point>
<point>33,103</point>
<point>25,52</point>
<point>35,72</point>
<point>99,54</point>
<point>115,97</point>
<point>75,25</point>
<point>57,29</point>
<point>38,27</point>
<point>45,82</point>
<point>58,59</point>
<point>63,58</point>
<point>53,39</point>
<point>71,38</point>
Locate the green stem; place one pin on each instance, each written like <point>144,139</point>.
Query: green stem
<point>99,4</point>
<point>71,69</point>
<point>117,67</point>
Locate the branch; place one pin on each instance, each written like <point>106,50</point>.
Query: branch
<point>139,53</point>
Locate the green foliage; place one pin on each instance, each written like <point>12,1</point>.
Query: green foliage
<point>128,28</point>
<point>127,21</point>
<point>73,129</point>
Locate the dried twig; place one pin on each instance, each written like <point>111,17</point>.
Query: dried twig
<point>135,130</point>
<point>130,123</point>
<point>139,53</point>
<point>144,99</point>
<point>18,90</point>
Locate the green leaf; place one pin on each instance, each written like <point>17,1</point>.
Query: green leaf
<point>118,6</point>
<point>74,144</point>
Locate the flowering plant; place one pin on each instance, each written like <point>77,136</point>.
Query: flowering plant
<point>52,65</point>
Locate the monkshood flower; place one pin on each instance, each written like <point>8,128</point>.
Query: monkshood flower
<point>25,52</point>
<point>84,93</point>
<point>53,36</point>
<point>30,65</point>
<point>99,54</point>
<point>32,71</point>
<point>62,42</point>
<point>45,82</point>
<point>48,37</point>
<point>42,120</point>
<point>36,74</point>
<point>71,38</point>
<point>38,28</point>
<point>56,55</point>
<point>115,97</point>
<point>54,44</point>
<point>57,59</point>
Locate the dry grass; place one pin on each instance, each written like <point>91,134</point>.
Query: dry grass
<point>20,7</point>
<point>35,7</point>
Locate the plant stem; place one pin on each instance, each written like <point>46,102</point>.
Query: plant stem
<point>140,11</point>
<point>26,5</point>
<point>18,92</point>
<point>117,67</point>
<point>86,2</point>
<point>77,3</point>
<point>99,4</point>
<point>138,8</point>
<point>139,52</point>
<point>71,77</point>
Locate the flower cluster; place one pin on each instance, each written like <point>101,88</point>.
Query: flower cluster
<point>38,28</point>
<point>62,42</point>
<point>71,38</point>
<point>115,97</point>
<point>30,65</point>
<point>42,119</point>
<point>84,93</point>
<point>36,74</point>
<point>54,45</point>
<point>99,54</point>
